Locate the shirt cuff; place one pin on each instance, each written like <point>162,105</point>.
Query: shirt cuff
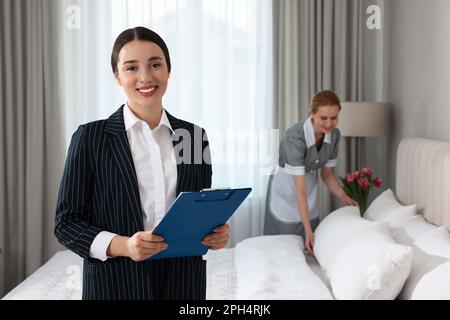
<point>331,163</point>
<point>295,171</point>
<point>100,245</point>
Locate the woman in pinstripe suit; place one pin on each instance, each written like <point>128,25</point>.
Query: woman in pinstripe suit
<point>121,176</point>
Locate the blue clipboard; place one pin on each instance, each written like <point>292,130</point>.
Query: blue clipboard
<point>192,216</point>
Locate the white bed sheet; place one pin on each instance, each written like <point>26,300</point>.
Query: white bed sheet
<point>61,278</point>
<point>221,275</point>
<point>58,279</point>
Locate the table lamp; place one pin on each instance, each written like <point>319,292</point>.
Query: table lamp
<point>358,120</point>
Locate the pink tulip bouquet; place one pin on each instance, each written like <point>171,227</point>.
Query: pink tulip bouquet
<point>357,186</point>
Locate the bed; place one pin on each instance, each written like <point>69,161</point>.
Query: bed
<point>60,278</point>
<point>273,262</point>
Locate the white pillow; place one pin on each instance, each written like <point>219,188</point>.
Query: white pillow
<point>359,256</point>
<point>436,242</point>
<point>434,285</point>
<point>274,267</point>
<point>371,266</point>
<point>386,208</point>
<point>334,232</point>
<point>430,271</point>
<point>412,230</point>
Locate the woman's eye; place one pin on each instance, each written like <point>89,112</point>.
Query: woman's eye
<point>156,65</point>
<point>132,68</point>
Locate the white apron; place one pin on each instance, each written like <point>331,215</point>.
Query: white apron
<point>283,198</point>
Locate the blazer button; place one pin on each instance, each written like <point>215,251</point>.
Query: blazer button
<point>317,161</point>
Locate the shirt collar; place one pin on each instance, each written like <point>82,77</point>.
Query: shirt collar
<point>308,130</point>
<point>165,121</point>
<point>131,120</point>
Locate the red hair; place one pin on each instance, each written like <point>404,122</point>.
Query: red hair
<point>324,98</point>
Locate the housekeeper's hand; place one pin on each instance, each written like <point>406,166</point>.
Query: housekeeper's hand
<point>219,238</point>
<point>144,244</point>
<point>309,242</point>
<point>347,200</point>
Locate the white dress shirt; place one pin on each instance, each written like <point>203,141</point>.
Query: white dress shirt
<point>156,170</point>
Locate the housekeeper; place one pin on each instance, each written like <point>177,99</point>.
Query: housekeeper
<point>307,148</point>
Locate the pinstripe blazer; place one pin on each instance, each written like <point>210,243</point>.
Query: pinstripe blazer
<point>99,192</point>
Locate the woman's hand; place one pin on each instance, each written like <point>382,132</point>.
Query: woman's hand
<point>335,187</point>
<point>347,200</point>
<point>309,242</point>
<point>219,238</point>
<point>144,244</point>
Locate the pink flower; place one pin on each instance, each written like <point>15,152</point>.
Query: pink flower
<point>367,172</point>
<point>377,182</point>
<point>356,175</point>
<point>349,178</point>
<point>357,186</point>
<point>363,183</point>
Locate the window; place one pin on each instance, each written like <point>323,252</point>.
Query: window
<point>221,79</point>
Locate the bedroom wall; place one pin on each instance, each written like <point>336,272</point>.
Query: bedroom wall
<point>419,72</point>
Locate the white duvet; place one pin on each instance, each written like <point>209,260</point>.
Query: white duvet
<point>274,267</point>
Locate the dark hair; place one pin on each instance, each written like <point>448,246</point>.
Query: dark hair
<point>324,98</point>
<point>137,33</point>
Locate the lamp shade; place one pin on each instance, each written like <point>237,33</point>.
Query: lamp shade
<point>363,119</point>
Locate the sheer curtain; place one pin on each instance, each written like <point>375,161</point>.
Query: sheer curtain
<point>221,79</point>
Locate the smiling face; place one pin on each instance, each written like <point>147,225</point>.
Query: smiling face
<point>325,119</point>
<point>143,73</point>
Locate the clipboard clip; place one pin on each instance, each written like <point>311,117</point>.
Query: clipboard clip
<point>210,195</point>
<point>214,189</point>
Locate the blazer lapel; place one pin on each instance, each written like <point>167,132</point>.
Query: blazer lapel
<point>121,152</point>
<point>182,169</point>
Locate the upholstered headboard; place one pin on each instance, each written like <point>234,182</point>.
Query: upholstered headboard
<point>423,178</point>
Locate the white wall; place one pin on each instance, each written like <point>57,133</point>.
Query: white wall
<point>419,71</point>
